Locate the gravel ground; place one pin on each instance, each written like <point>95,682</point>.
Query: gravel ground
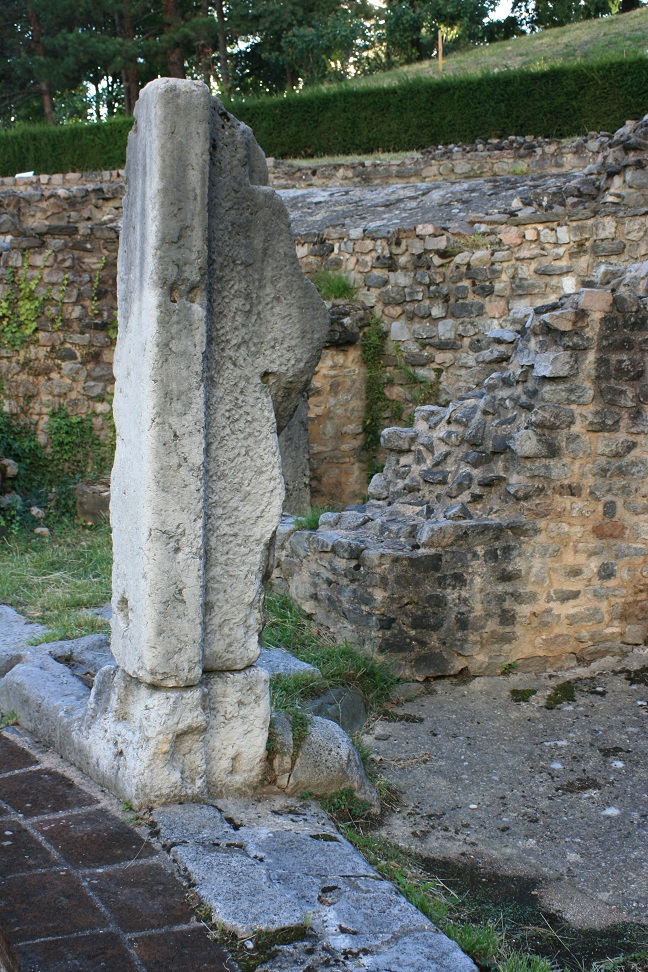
<point>557,795</point>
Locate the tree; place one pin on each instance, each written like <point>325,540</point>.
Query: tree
<point>540,14</point>
<point>411,27</point>
<point>282,44</point>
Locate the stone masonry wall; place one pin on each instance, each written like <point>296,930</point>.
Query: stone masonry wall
<point>496,157</point>
<point>508,527</point>
<point>452,297</point>
<point>64,229</point>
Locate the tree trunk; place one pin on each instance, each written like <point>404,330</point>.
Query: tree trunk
<point>174,56</point>
<point>130,73</point>
<point>222,47</point>
<point>45,89</point>
<point>205,51</point>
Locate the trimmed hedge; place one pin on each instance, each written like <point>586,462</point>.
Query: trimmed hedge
<point>560,101</point>
<point>64,148</point>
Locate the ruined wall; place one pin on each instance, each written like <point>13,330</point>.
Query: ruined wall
<point>63,231</point>
<point>451,296</point>
<point>443,294</point>
<point>510,526</point>
<point>515,155</point>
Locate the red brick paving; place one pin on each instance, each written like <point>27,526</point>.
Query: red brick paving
<point>80,891</point>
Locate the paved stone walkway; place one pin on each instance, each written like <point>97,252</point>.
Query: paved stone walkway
<point>268,864</point>
<point>79,888</point>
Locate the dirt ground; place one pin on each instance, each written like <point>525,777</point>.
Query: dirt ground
<point>540,811</point>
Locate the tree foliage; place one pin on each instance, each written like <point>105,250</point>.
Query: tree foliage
<point>64,60</point>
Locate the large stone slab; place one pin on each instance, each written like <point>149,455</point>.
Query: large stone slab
<point>280,863</point>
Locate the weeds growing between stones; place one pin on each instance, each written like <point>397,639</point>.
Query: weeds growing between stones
<point>333,285</point>
<point>340,664</point>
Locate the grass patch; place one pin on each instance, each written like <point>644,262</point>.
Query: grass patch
<point>300,725</point>
<point>340,664</point>
<point>52,582</point>
<point>618,36</point>
<point>563,692</point>
<point>8,719</point>
<point>498,938</point>
<point>525,963</point>
<point>310,520</point>
<point>522,695</point>
<point>333,285</point>
<point>486,943</point>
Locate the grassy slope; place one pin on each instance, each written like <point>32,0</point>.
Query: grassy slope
<point>617,36</point>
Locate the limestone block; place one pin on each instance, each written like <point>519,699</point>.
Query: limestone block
<point>328,761</point>
<point>219,335</point>
<point>267,326</point>
<point>238,705</point>
<point>143,743</point>
<point>555,364</point>
<point>157,481</point>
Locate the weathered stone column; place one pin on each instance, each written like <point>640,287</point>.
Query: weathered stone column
<point>219,333</point>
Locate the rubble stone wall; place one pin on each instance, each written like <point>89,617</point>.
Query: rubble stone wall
<point>63,230</point>
<point>515,155</point>
<point>452,298</point>
<point>510,526</point>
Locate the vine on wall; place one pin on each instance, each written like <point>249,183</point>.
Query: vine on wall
<point>45,477</point>
<point>24,302</point>
<point>377,404</point>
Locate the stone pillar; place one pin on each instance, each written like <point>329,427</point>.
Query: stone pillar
<point>219,333</point>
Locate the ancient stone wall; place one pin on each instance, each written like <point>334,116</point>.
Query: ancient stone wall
<point>510,526</point>
<point>64,231</point>
<point>515,155</point>
<point>447,297</point>
<point>451,292</point>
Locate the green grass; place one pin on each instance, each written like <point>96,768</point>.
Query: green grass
<point>310,520</point>
<point>618,36</point>
<point>54,581</point>
<point>486,942</point>
<point>333,285</point>
<point>340,663</point>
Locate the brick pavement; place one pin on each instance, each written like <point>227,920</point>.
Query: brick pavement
<point>80,889</point>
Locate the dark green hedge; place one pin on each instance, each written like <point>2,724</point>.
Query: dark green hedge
<point>559,101</point>
<point>64,148</point>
